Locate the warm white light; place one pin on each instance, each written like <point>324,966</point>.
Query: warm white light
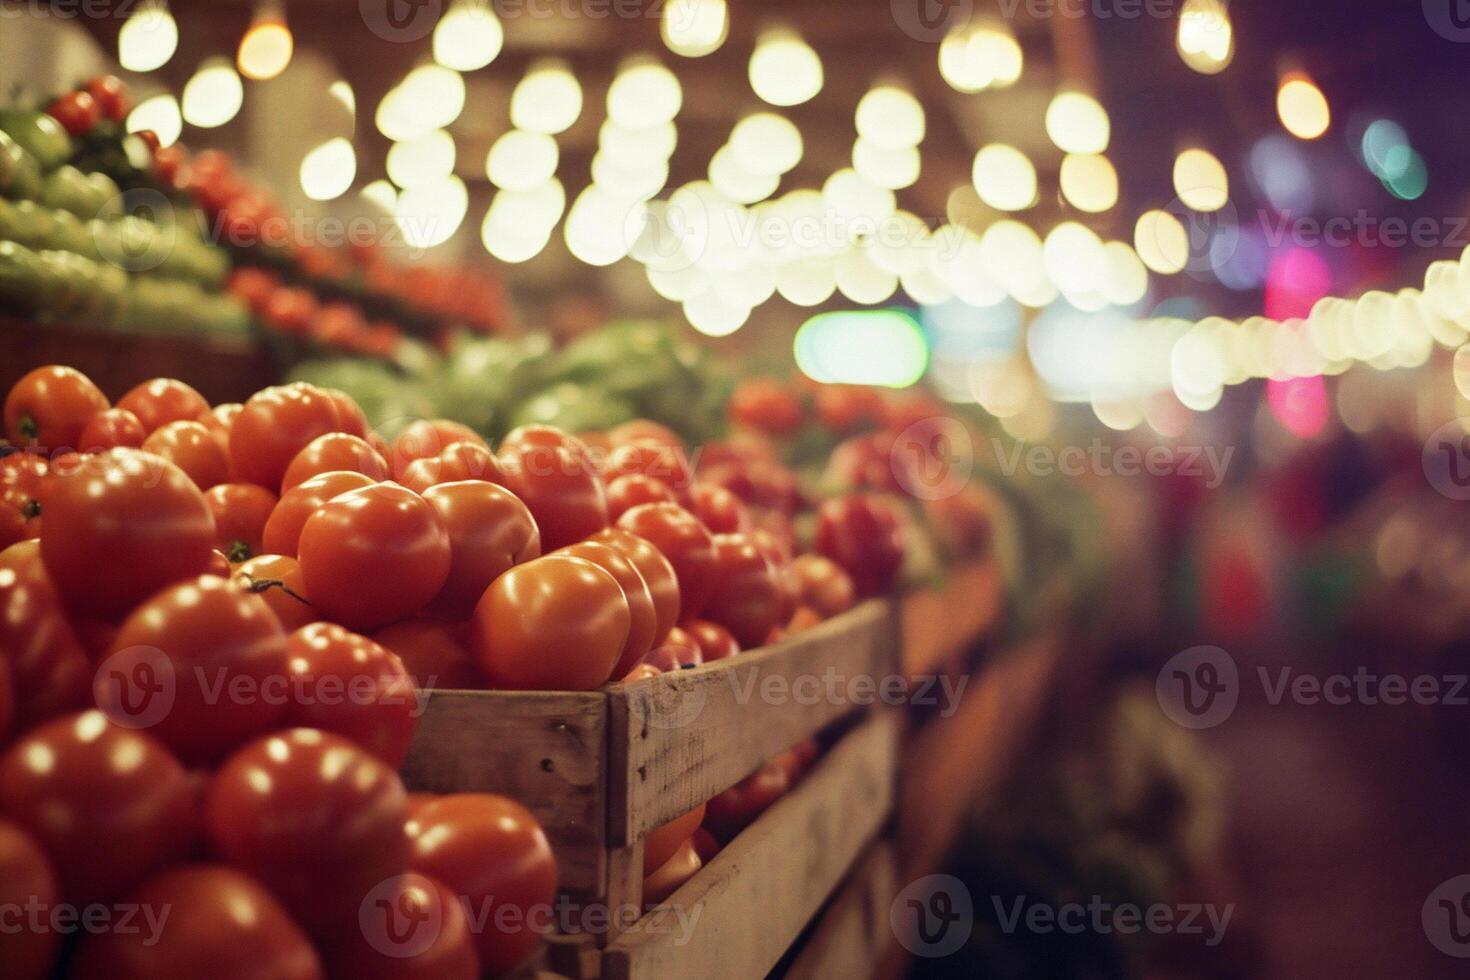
<point>644,94</point>
<point>430,214</point>
<point>766,144</point>
<point>890,117</point>
<point>342,92</point>
<point>148,39</point>
<point>1126,280</point>
<point>435,96</point>
<point>328,171</point>
<point>469,36</point>
<point>1206,40</point>
<point>426,160</point>
<point>1077,123</point>
<point>547,100</point>
<point>160,114</point>
<point>1161,242</point>
<point>1073,257</point>
<point>735,182</point>
<point>519,223</point>
<point>1200,180</point>
<point>637,147</point>
<point>380,194</point>
<point>784,70</point>
<point>520,160</point>
<point>1004,177</point>
<point>857,202</point>
<point>715,315</point>
<point>214,95</point>
<point>632,183</point>
<point>694,28</point>
<point>595,226</point>
<point>1089,182</point>
<point>1302,107</point>
<point>893,168</point>
<point>266,48</point>
<point>972,59</point>
<point>861,280</point>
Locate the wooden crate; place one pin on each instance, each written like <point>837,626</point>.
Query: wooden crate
<point>754,898</point>
<point>855,929</point>
<point>940,624</point>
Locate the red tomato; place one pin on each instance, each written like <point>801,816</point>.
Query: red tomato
<point>121,528</point>
<point>760,483</point>
<point>685,542</point>
<point>221,924</point>
<point>276,424</point>
<point>678,650</point>
<point>109,805</point>
<point>766,405</point>
<point>747,598</point>
<point>12,520</point>
<point>240,511</point>
<point>26,877</point>
<point>705,845</point>
<point>732,811</point>
<point>111,428</point>
<point>201,665</point>
<point>23,473</point>
<point>491,852</point>
<point>49,408</point>
<point>715,642</point>
<point>77,112</point>
<point>334,452</point>
<point>643,430</point>
<point>191,447</point>
<point>561,489</point>
<point>626,492</point>
<point>669,876</point>
<point>283,529</point>
<point>846,408</point>
<point>49,667</point>
<point>313,816</point>
<point>163,400</point>
<point>414,929</point>
<point>550,624</point>
<point>642,620</point>
<point>427,438</point>
<point>657,573</point>
<point>350,418</point>
<point>373,556</point>
<point>642,672</point>
<point>665,464</point>
<point>822,585</point>
<point>432,654</point>
<point>545,437</point>
<point>111,96</point>
<point>663,841</point>
<point>862,534</point>
<point>718,509</point>
<point>489,531</point>
<point>253,286</point>
<point>460,461</point>
<point>277,580</point>
<point>348,685</point>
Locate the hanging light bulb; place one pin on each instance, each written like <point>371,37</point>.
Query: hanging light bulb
<point>695,28</point>
<point>784,70</point>
<point>890,117</point>
<point>328,171</point>
<point>1200,180</point>
<point>160,114</point>
<point>429,159</point>
<point>266,48</point>
<point>1302,106</point>
<point>469,36</point>
<point>1206,40</point>
<point>547,100</point>
<point>1077,123</point>
<point>149,38</point>
<point>1089,182</point>
<point>1004,177</point>
<point>214,95</point>
<point>520,160</point>
<point>644,94</point>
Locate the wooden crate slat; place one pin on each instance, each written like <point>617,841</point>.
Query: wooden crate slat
<point>755,896</point>
<point>543,749</point>
<point>680,738</point>
<point>854,932</point>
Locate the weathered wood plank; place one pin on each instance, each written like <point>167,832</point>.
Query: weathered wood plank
<point>854,931</point>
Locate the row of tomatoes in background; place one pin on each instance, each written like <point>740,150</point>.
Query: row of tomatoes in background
<point>163,576</point>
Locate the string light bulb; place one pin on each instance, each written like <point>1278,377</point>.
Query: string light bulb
<point>267,46</point>
<point>784,69</point>
<point>1302,106</point>
<point>469,36</point>
<point>149,38</point>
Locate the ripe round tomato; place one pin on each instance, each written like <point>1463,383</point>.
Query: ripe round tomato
<point>415,929</point>
<point>550,624</point>
<point>666,464</point>
<point>23,473</point>
<point>643,430</point>
<point>240,511</point>
<point>350,417</point>
<point>747,598</point>
<point>489,531</point>
<point>111,428</point>
<point>642,672</point>
<point>715,642</point>
<point>163,400</point>
<point>313,816</point>
<point>491,852</point>
<point>49,668</point>
<point>49,408</point>
<point>705,845</point>
<point>348,685</point>
<point>663,841</point>
<point>822,585</point>
<point>201,666</point>
<point>666,879</point>
<point>12,520</point>
<point>730,812</point>
<point>427,438</point>
<point>718,509</point>
<point>846,408</point>
<point>657,573</point>
<point>77,112</point>
<point>685,542</point>
<point>253,286</point>
<point>283,529</point>
<point>277,580</point>
<point>109,805</point>
<point>287,310</point>
<point>766,405</point>
<point>759,482</point>
<point>122,527</point>
<point>26,876</point>
<point>678,650</point>
<point>432,654</point>
<point>111,96</point>
<point>460,461</point>
<point>546,437</point>
<point>221,924</point>
<point>642,619</point>
<point>373,556</point>
<point>276,424</point>
<point>560,487</point>
<point>191,447</point>
<point>626,492</point>
<point>862,534</point>
<point>334,452</point>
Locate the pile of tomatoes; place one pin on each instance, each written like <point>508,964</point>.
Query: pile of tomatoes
<point>217,623</point>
